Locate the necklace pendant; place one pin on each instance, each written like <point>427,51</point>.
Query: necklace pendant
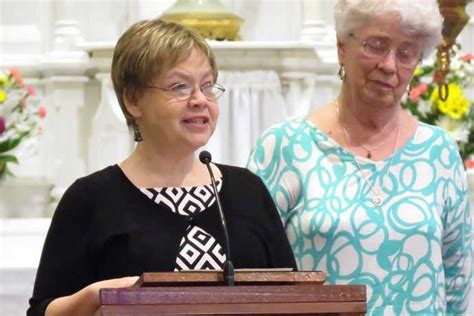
<point>377,200</point>
<point>369,155</point>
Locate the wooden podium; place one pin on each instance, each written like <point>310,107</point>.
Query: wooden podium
<point>254,293</point>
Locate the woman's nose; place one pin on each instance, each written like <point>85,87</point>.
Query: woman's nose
<point>198,97</point>
<point>389,62</point>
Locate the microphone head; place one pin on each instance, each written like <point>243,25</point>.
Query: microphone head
<point>205,157</point>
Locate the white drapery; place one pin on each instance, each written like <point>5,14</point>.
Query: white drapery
<point>252,102</point>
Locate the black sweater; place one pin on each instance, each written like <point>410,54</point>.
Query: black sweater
<point>105,228</point>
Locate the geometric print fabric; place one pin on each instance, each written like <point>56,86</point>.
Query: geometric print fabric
<point>198,250</point>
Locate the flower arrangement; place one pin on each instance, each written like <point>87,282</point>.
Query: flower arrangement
<point>455,114</point>
<point>19,118</point>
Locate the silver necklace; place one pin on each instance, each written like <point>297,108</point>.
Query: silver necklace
<point>377,198</point>
<point>370,151</point>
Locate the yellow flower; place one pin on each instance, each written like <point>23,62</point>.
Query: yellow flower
<point>3,96</point>
<point>455,106</point>
<point>417,71</point>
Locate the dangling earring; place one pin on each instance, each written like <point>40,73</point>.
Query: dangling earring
<point>341,72</point>
<point>136,132</point>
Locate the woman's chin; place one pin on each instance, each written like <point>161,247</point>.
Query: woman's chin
<point>198,142</point>
<point>381,99</point>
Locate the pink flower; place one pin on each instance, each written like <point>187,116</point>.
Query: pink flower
<point>414,95</point>
<point>31,91</point>
<point>467,58</point>
<point>42,111</point>
<point>416,92</point>
<point>15,73</point>
<point>469,163</point>
<point>423,87</point>
<point>2,125</point>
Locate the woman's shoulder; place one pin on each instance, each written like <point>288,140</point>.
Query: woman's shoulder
<point>433,129</point>
<point>289,126</point>
<point>428,132</point>
<point>241,182</point>
<point>438,144</point>
<point>100,177</point>
<point>229,171</point>
<point>108,177</point>
<point>79,198</point>
<point>240,176</point>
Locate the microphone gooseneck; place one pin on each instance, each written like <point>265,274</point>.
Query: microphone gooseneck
<point>206,158</point>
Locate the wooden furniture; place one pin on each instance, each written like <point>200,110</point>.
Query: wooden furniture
<point>254,293</point>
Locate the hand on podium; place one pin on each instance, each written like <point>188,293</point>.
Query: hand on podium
<point>86,301</point>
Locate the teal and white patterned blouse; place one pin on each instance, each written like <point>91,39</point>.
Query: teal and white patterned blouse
<point>413,251</point>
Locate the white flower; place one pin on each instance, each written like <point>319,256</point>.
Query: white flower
<point>458,131</point>
<point>424,107</point>
<point>454,64</point>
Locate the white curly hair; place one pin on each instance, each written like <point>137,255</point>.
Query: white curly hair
<point>419,16</point>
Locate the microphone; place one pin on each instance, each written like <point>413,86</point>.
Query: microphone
<point>206,158</point>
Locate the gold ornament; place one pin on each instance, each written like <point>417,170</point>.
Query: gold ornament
<point>455,18</point>
<point>207,17</point>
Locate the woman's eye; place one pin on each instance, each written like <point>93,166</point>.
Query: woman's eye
<point>179,87</point>
<point>404,53</point>
<point>377,45</point>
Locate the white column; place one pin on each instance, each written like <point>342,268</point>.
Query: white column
<point>315,29</point>
<point>110,141</point>
<point>467,35</point>
<point>66,132</point>
<point>66,34</point>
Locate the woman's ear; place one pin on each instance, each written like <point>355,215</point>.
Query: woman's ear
<point>341,52</point>
<point>130,99</point>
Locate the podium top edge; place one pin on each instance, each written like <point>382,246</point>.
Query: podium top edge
<point>246,277</point>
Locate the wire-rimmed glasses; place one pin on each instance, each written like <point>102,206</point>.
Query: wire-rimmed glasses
<point>183,91</point>
<point>407,55</point>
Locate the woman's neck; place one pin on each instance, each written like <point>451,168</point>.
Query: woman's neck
<point>367,118</point>
<point>164,168</point>
<point>372,131</point>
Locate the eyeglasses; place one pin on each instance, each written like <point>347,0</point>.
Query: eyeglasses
<point>183,91</point>
<point>407,55</point>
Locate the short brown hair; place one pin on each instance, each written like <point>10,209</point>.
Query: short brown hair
<point>147,49</point>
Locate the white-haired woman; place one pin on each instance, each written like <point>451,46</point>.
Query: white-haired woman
<point>367,193</point>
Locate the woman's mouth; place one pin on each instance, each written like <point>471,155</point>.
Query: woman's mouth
<point>197,123</point>
<point>382,85</point>
<point>196,120</point>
